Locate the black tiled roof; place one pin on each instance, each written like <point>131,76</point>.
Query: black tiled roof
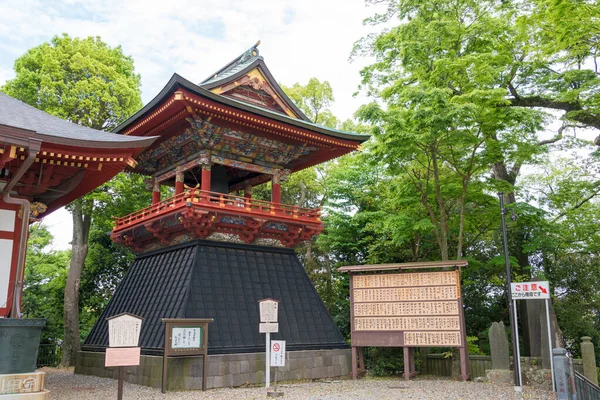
<point>223,281</point>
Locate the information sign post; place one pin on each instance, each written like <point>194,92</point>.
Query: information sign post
<point>392,307</point>
<point>268,323</point>
<point>123,340</point>
<point>534,291</point>
<point>185,337</point>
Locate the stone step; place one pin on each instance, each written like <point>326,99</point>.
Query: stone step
<point>31,382</point>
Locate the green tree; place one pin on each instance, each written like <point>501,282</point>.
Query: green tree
<point>89,83</point>
<point>565,242</point>
<point>45,278</point>
<point>488,70</point>
<point>107,261</point>
<point>314,99</point>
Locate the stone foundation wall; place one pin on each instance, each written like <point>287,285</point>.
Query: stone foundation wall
<point>226,370</point>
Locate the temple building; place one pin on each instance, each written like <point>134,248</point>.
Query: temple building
<point>46,163</point>
<point>211,250</point>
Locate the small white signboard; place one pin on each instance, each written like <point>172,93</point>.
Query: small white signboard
<point>277,353</point>
<point>268,310</point>
<point>124,330</point>
<point>187,337</point>
<point>268,327</point>
<point>530,290</point>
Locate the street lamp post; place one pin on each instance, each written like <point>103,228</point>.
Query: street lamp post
<point>511,310</point>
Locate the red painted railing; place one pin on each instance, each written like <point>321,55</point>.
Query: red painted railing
<point>212,201</point>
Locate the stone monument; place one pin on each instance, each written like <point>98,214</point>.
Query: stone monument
<point>500,371</point>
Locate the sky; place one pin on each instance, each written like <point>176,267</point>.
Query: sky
<point>299,40</point>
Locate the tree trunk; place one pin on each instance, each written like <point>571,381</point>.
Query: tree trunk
<point>81,230</point>
<point>441,206</point>
<point>461,229</point>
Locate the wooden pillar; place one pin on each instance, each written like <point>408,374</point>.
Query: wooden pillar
<point>205,184</point>
<point>179,175</point>
<point>276,192</point>
<point>247,196</point>
<point>278,177</point>
<point>155,192</point>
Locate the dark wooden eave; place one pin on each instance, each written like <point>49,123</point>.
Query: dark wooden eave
<point>410,265</point>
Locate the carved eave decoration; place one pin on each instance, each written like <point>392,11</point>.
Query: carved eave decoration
<point>220,141</point>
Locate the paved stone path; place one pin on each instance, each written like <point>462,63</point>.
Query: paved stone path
<point>64,385</point>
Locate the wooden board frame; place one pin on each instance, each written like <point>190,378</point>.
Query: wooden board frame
<point>397,338</point>
<point>169,351</point>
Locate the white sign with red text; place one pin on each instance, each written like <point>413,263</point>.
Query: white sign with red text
<point>530,290</point>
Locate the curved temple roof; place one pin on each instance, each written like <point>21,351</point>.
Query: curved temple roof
<point>48,128</point>
<point>240,66</point>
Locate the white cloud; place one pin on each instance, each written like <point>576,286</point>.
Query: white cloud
<point>299,40</point>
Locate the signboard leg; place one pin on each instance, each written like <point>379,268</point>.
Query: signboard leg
<point>411,358</point>
<point>361,360</point>
<point>517,357</point>
<point>550,343</point>
<point>464,357</point>
<point>204,365</point>
<point>406,364</point>
<point>163,387</point>
<point>268,361</point>
<point>354,363</point>
<point>120,387</point>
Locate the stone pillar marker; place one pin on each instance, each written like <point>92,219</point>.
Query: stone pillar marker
<point>499,346</point>
<point>561,373</point>
<point>589,359</point>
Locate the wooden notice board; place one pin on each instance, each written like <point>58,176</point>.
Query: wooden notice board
<point>185,337</point>
<point>421,308</point>
<point>407,305</point>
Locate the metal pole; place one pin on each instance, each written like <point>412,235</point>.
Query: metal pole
<point>268,361</point>
<point>511,311</point>
<point>550,343</point>
<point>518,358</point>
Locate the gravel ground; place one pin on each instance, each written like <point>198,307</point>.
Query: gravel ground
<point>64,385</point>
